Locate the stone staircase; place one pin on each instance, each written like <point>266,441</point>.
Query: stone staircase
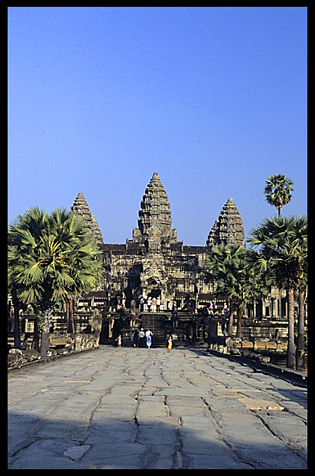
<point>155,321</point>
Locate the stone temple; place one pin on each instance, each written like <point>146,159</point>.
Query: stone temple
<point>154,264</point>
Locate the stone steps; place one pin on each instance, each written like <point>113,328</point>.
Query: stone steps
<point>155,321</point>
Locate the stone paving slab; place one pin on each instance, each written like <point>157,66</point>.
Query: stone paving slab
<point>46,454</point>
<point>137,409</point>
<point>156,435</point>
<point>193,461</point>
<point>190,401</point>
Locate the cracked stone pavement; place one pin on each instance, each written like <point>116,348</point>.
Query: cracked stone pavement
<point>126,408</point>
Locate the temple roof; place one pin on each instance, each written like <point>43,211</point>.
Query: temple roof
<point>81,208</point>
<point>228,228</point>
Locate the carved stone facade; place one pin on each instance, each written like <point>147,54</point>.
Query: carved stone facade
<point>154,263</point>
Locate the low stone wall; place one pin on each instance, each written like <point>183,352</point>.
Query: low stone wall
<point>226,345</point>
<point>17,357</point>
<point>66,343</point>
<point>59,345</point>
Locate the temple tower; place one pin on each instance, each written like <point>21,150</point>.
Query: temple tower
<point>228,228</point>
<point>81,208</point>
<point>155,223</point>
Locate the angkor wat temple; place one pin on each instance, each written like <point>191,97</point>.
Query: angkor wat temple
<point>154,265</point>
<point>155,281</point>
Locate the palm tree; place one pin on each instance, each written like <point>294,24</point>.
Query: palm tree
<point>51,257</point>
<point>231,268</point>
<point>282,243</point>
<point>278,191</point>
<point>25,226</point>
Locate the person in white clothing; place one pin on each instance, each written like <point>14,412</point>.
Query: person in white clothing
<point>148,335</point>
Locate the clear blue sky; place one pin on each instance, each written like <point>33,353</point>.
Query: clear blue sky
<point>212,98</point>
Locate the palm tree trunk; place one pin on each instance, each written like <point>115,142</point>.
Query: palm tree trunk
<point>239,323</point>
<point>44,346</point>
<point>300,339</point>
<point>16,307</point>
<point>68,316</point>
<point>291,345</point>
<point>35,342</point>
<point>17,335</point>
<point>71,317</point>
<point>230,326</point>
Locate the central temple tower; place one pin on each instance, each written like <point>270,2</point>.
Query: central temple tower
<point>155,223</point>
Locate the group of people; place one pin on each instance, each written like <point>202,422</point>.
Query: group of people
<point>148,304</point>
<point>141,338</point>
<point>211,308</point>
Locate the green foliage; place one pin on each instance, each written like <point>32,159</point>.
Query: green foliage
<point>278,191</point>
<point>231,267</point>
<point>51,257</point>
<point>282,244</point>
<point>41,322</point>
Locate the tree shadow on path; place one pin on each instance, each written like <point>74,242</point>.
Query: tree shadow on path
<point>113,443</point>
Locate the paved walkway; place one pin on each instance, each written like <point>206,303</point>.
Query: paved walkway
<point>140,408</point>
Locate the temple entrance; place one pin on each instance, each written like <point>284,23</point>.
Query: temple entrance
<point>104,332</point>
<point>154,293</point>
<point>153,288</point>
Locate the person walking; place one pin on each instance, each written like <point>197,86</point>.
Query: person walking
<point>169,344</point>
<point>135,338</point>
<point>149,335</point>
<point>118,340</point>
<point>141,337</point>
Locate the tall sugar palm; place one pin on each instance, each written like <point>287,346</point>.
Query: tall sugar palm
<point>282,244</point>
<point>278,191</point>
<point>51,257</point>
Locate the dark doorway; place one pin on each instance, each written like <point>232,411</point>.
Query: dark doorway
<point>155,293</point>
<point>104,333</point>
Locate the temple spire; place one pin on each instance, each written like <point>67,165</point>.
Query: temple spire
<point>154,213</point>
<point>81,208</point>
<point>228,228</point>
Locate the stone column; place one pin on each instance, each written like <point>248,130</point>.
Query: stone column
<point>279,306</point>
